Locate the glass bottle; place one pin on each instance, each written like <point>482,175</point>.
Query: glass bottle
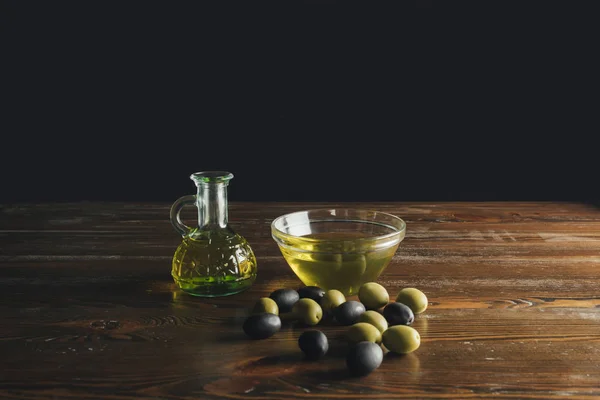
<point>212,260</point>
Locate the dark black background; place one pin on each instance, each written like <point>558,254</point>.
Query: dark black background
<point>302,101</point>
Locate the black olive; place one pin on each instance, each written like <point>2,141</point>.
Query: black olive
<point>398,314</point>
<point>364,357</point>
<point>285,299</point>
<point>348,312</point>
<point>313,344</point>
<point>311,292</point>
<point>262,326</point>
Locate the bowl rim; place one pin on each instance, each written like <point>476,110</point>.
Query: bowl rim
<point>282,235</point>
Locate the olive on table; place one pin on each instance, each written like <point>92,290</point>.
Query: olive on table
<point>265,305</point>
<point>308,311</point>
<point>414,298</point>
<point>363,358</point>
<point>331,299</point>
<point>363,332</point>
<point>313,344</point>
<point>373,295</point>
<point>311,292</point>
<point>374,318</point>
<point>262,326</point>
<point>398,314</point>
<point>348,312</point>
<point>401,339</point>
<point>285,299</point>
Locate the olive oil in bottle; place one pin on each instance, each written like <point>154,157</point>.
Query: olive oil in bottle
<point>212,260</point>
<point>214,264</point>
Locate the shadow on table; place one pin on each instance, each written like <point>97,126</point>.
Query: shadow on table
<point>337,374</point>
<point>233,337</point>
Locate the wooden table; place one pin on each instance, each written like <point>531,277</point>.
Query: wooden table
<point>89,310</point>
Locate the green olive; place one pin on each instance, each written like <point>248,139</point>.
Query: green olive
<point>331,299</point>
<point>375,319</point>
<point>308,311</point>
<point>373,295</point>
<point>265,305</point>
<point>361,332</point>
<point>401,339</point>
<point>413,298</point>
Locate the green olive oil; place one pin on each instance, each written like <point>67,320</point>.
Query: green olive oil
<point>337,260</point>
<point>212,259</point>
<point>211,264</point>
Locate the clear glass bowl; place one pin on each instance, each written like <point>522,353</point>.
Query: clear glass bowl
<point>338,248</point>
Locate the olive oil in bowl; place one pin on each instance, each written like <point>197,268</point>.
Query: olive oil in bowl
<point>340,251</point>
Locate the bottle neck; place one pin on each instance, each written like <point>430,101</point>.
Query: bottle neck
<point>212,205</point>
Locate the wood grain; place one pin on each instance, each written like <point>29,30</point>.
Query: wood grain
<point>89,311</point>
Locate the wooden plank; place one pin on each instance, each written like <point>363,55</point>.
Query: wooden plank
<point>88,308</point>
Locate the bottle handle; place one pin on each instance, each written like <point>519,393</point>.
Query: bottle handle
<point>179,226</point>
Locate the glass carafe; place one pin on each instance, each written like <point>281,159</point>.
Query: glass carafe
<point>212,260</point>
